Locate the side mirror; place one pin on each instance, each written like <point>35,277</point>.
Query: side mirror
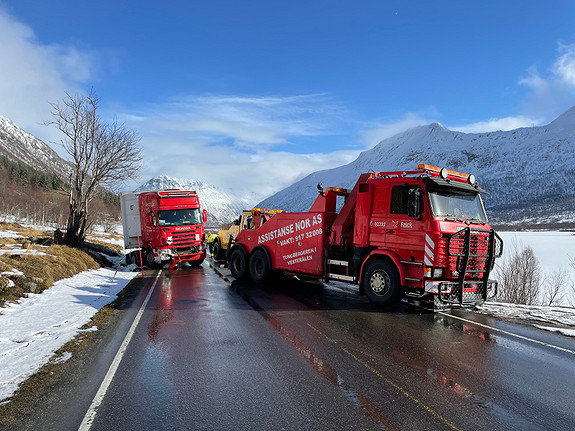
<point>413,200</point>
<point>205,215</point>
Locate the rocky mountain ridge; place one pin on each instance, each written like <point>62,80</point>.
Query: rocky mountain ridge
<point>528,172</point>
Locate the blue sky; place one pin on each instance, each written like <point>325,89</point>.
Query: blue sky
<point>256,94</point>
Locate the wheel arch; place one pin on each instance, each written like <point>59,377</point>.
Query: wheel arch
<point>237,246</point>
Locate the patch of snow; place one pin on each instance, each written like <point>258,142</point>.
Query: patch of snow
<point>9,234</point>
<point>14,272</point>
<point>564,316</point>
<point>563,331</point>
<point>62,358</point>
<point>14,251</point>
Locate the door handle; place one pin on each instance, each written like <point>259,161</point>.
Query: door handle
<point>389,231</point>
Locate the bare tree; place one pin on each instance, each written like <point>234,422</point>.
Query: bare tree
<point>555,287</point>
<point>520,277</point>
<point>103,155</point>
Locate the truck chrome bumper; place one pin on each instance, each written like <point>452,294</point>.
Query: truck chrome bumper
<point>448,291</point>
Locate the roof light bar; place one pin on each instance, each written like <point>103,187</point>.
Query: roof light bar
<point>443,173</point>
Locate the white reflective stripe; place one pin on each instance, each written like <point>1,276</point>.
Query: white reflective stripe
<point>430,242</point>
<point>431,287</point>
<point>429,247</point>
<point>428,258</point>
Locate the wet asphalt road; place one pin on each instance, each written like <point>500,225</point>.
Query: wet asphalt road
<point>300,356</point>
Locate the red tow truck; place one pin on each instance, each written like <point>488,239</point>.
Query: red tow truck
<point>163,226</point>
<point>421,234</point>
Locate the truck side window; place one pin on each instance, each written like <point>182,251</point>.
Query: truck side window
<point>400,199</point>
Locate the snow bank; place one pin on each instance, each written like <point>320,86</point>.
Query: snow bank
<point>560,315</point>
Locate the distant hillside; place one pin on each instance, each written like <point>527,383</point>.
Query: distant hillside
<point>529,172</point>
<point>223,206</point>
<point>20,146</point>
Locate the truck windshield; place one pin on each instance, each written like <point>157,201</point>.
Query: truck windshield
<point>461,207</point>
<point>179,217</point>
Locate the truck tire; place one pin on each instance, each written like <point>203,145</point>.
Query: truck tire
<point>259,266</point>
<point>148,257</point>
<point>135,258</point>
<point>381,283</point>
<point>238,264</point>
<point>217,253</point>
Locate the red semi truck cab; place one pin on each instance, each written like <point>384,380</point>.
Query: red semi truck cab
<point>167,225</point>
<point>421,233</point>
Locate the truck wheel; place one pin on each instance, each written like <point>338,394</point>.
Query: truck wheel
<point>136,258</point>
<point>238,264</point>
<point>217,253</point>
<point>149,259</point>
<point>259,266</point>
<point>380,283</point>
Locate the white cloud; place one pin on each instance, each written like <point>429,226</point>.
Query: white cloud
<point>231,141</point>
<point>564,67</point>
<point>495,124</point>
<point>553,94</point>
<point>248,121</point>
<point>33,74</point>
<point>534,80</point>
<point>376,134</point>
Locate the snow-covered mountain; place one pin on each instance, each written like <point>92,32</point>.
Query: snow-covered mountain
<point>529,172</point>
<point>223,206</point>
<point>18,145</point>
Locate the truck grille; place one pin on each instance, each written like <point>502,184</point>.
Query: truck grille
<point>184,239</point>
<point>478,253</point>
<point>470,255</point>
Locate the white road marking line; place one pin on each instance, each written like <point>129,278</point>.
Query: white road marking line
<point>99,397</point>
<point>509,333</point>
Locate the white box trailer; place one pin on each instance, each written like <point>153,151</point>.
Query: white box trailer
<point>130,218</point>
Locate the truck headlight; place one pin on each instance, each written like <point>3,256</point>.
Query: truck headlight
<point>430,272</point>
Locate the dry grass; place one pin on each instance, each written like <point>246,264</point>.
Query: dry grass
<point>40,271</point>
